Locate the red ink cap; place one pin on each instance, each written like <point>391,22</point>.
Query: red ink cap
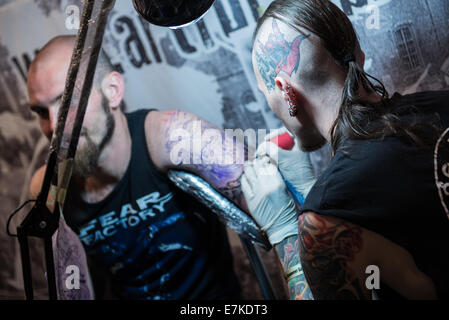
<point>284,141</point>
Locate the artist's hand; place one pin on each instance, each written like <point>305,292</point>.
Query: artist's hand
<point>294,164</point>
<point>268,200</point>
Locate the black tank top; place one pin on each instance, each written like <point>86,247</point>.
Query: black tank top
<point>156,242</point>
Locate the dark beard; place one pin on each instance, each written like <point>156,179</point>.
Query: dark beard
<point>86,159</point>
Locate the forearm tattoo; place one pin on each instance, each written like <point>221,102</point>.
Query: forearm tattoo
<point>326,252</point>
<point>233,190</point>
<point>288,253</point>
<point>277,54</point>
<point>207,151</point>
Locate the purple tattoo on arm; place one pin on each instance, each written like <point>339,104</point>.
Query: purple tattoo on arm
<point>196,145</point>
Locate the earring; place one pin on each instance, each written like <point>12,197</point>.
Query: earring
<point>293,110</point>
<point>290,97</point>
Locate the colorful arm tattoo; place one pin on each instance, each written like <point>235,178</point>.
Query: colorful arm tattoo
<point>277,54</point>
<point>288,253</point>
<point>195,145</point>
<point>327,250</point>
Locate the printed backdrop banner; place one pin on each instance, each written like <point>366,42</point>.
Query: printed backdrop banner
<point>204,68</point>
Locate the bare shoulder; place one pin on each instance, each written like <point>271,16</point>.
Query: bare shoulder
<point>36,182</point>
<point>165,120</point>
<point>152,119</point>
<point>157,125</point>
<point>158,122</point>
<point>152,129</point>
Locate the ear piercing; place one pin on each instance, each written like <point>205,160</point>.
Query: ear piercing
<point>291,100</point>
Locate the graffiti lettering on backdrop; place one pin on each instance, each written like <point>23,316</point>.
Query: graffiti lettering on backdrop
<point>134,35</point>
<point>206,47</point>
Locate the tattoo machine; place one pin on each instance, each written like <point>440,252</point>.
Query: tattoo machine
<point>234,218</point>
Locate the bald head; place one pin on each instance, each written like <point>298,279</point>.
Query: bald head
<point>56,55</point>
<point>48,71</point>
<point>51,63</point>
<point>58,48</point>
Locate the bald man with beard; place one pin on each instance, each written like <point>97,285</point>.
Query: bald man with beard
<point>151,241</point>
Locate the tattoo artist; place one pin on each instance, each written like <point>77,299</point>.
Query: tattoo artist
<point>377,205</point>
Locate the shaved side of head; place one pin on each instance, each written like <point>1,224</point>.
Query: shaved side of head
<point>280,49</point>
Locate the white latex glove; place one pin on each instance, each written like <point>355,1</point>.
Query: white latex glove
<point>268,200</point>
<point>294,164</point>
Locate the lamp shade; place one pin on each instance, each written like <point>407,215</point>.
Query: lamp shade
<point>172,13</point>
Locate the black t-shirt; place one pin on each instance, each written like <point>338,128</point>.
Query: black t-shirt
<point>389,186</point>
<point>152,240</point>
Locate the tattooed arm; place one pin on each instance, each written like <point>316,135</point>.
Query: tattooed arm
<point>330,255</point>
<point>181,140</point>
<point>287,251</point>
<point>335,254</point>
